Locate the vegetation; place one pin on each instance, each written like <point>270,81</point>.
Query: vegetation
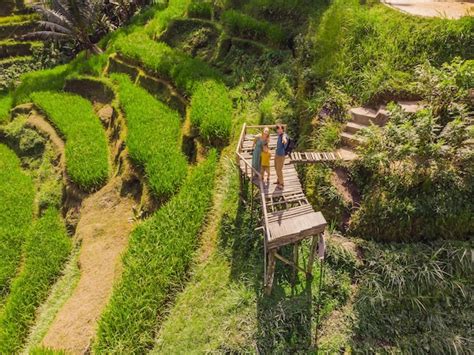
<point>156,261</point>
<point>16,213</point>
<point>414,297</point>
<point>153,132</point>
<point>86,145</point>
<point>419,172</point>
<point>5,106</point>
<point>46,248</point>
<point>372,50</point>
<point>245,26</point>
<point>211,111</point>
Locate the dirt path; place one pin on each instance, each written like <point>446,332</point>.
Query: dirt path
<point>38,122</point>
<point>103,231</point>
<point>429,8</point>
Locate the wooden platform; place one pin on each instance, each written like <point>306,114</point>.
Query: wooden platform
<point>288,217</point>
<point>314,157</point>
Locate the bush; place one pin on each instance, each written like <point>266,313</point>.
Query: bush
<point>16,213</point>
<point>245,26</point>
<point>86,144</point>
<point>211,111</point>
<point>46,249</point>
<point>372,51</point>
<point>153,138</point>
<point>156,261</point>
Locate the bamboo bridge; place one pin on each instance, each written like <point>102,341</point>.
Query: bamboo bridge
<point>287,216</point>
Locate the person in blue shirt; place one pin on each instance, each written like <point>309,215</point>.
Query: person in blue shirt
<point>280,153</point>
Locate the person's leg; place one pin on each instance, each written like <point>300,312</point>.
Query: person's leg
<point>279,168</point>
<point>268,174</point>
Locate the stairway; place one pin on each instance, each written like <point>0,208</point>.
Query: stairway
<point>362,117</point>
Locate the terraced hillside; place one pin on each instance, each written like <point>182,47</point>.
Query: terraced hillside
<point>125,227</point>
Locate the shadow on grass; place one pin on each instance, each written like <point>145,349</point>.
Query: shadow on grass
<point>284,318</point>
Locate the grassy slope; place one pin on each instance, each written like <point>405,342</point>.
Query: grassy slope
<point>153,132</point>
<point>86,144</point>
<point>156,261</point>
<point>372,51</point>
<point>45,250</point>
<point>16,213</point>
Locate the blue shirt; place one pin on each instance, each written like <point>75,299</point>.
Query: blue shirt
<point>280,150</point>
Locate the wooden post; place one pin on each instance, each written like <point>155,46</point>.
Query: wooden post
<point>270,272</point>
<point>295,262</point>
<point>314,244</point>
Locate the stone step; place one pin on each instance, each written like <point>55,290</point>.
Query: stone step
<point>350,139</point>
<point>362,115</point>
<point>352,127</point>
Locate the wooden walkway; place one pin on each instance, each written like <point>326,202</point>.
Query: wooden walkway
<point>314,157</point>
<point>287,216</point>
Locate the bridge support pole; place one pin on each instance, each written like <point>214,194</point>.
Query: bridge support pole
<point>312,253</point>
<point>270,271</point>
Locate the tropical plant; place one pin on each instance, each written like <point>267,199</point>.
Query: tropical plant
<point>80,22</point>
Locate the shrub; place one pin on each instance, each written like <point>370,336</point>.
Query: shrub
<point>86,144</point>
<point>46,249</point>
<point>419,185</point>
<point>16,213</point>
<point>5,106</point>
<point>153,138</point>
<point>157,259</point>
<point>211,111</point>
<point>372,50</point>
<point>245,26</point>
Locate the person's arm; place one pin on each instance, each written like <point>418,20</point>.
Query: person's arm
<point>285,139</point>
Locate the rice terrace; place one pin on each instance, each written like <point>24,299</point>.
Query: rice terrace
<point>236,176</point>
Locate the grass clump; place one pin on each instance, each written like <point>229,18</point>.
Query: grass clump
<point>157,259</point>
<point>175,9</point>
<point>46,248</point>
<point>211,111</point>
<point>5,106</point>
<point>153,132</point>
<point>245,26</point>
<point>86,144</point>
<point>16,213</point>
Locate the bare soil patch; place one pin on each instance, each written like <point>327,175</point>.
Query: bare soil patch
<point>103,231</point>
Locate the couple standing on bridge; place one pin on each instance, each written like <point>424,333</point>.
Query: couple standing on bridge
<point>261,154</point>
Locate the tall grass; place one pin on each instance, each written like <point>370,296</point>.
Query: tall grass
<point>211,110</point>
<point>245,26</point>
<point>16,213</point>
<point>372,50</point>
<point>190,75</point>
<point>175,8</point>
<point>153,138</point>
<point>415,296</point>
<point>156,261</point>
<point>6,102</point>
<point>184,71</point>
<point>86,144</point>
<point>45,250</point>
<point>44,80</point>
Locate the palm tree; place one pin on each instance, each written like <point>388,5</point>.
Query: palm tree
<point>77,21</point>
